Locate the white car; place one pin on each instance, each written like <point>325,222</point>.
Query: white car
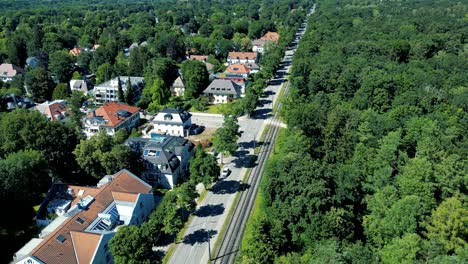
<point>225,172</point>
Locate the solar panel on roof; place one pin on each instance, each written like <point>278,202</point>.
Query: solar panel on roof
<point>79,220</point>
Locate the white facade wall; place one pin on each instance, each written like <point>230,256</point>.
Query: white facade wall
<point>172,130</point>
<point>220,99</point>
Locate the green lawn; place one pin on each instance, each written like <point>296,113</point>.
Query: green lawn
<point>212,109</point>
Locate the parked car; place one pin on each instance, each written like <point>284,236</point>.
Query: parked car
<point>197,129</point>
<point>226,171</point>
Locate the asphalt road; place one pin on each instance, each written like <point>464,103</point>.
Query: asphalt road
<point>211,214</point>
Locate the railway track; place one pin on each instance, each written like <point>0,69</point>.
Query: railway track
<point>232,238</point>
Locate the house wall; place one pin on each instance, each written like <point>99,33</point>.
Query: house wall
<point>177,91</point>
<point>244,60</point>
<point>220,99</point>
<point>103,255</point>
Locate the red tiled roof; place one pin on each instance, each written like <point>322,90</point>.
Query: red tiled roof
<point>202,58</point>
<point>85,244</point>
<point>271,36</point>
<point>109,112</point>
<point>52,251</point>
<point>125,196</point>
<point>242,55</point>
<point>238,68</point>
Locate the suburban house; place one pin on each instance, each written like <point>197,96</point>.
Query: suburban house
<point>258,45</point>
<point>54,111</point>
<point>79,221</point>
<point>253,67</point>
<point>109,91</point>
<point>238,69</point>
<point>166,158</point>
<point>11,102</point>
<point>79,85</point>
<point>8,71</point>
<point>171,121</point>
<point>111,117</point>
<point>242,57</point>
<point>178,87</point>
<point>222,91</point>
<point>204,59</point>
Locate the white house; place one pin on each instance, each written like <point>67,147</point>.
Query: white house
<point>221,91</point>
<point>110,118</point>
<point>172,121</point>
<point>109,91</point>
<point>79,85</point>
<point>82,232</point>
<point>166,158</point>
<point>9,71</point>
<point>242,57</point>
<point>178,87</point>
<point>259,45</point>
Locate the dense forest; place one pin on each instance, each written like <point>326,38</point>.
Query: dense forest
<point>37,35</point>
<point>373,165</point>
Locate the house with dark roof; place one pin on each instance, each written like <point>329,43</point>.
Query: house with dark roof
<point>222,91</point>
<point>178,87</point>
<point>166,158</point>
<point>54,111</point>
<point>171,121</point>
<point>111,117</point>
<point>86,218</point>
<point>9,71</point>
<point>79,85</point>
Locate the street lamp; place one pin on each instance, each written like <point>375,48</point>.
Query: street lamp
<point>209,248</point>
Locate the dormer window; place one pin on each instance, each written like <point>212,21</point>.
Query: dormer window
<point>167,117</point>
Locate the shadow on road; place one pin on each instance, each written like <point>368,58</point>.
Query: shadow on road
<point>261,113</point>
<point>245,145</point>
<point>244,160</point>
<point>199,236</point>
<point>210,210</point>
<point>225,187</point>
<point>268,93</point>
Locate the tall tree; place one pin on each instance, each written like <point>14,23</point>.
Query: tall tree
<point>203,167</point>
<point>61,65</point>
<point>196,78</point>
<point>100,155</point>
<point>61,91</point>
<point>120,92</point>
<point>39,85</point>
<point>129,93</point>
<point>225,138</point>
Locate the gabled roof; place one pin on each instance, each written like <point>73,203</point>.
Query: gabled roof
<point>238,68</point>
<point>63,245</point>
<point>110,112</point>
<point>125,196</point>
<point>242,55</point>
<point>10,70</point>
<point>179,82</point>
<point>85,245</point>
<point>218,86</point>
<point>271,36</point>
